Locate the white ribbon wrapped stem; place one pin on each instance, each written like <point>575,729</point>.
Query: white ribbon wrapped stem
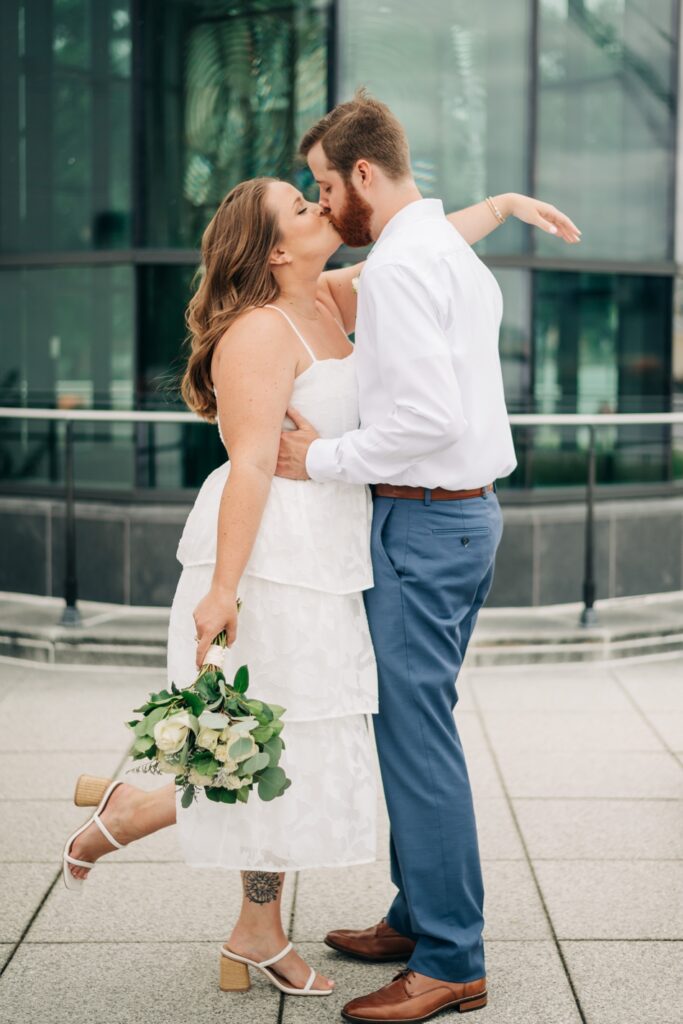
<point>214,656</point>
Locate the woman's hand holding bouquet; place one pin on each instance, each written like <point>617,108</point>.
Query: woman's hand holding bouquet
<point>211,736</point>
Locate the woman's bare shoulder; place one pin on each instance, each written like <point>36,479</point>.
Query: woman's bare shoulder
<point>257,333</point>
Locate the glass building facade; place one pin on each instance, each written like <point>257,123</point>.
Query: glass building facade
<point>124,122</point>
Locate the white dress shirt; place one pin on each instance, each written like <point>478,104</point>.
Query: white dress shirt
<point>432,407</point>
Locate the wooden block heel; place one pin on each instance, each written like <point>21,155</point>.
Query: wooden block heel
<point>475,1003</point>
<point>89,790</point>
<point>234,976</point>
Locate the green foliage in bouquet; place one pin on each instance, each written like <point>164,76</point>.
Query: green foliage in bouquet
<point>210,736</point>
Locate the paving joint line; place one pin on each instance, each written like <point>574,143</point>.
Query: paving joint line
<point>290,931</point>
<point>641,713</point>
<point>44,899</point>
<point>555,939</point>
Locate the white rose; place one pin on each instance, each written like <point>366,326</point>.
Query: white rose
<point>221,754</point>
<point>232,782</point>
<point>208,738</point>
<point>170,733</point>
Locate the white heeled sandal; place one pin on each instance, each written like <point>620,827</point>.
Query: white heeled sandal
<point>86,787</point>
<point>235,974</point>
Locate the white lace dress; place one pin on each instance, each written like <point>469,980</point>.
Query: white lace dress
<point>303,633</point>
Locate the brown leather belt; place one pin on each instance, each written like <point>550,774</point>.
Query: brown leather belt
<point>438,494</point>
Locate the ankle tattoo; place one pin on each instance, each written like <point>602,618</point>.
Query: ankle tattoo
<point>261,886</point>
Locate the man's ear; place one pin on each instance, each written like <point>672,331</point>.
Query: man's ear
<point>279,257</point>
<point>364,171</point>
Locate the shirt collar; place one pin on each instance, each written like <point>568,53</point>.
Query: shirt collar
<point>419,209</point>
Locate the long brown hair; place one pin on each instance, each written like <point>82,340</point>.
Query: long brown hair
<point>235,275</point>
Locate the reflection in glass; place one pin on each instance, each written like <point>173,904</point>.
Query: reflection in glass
<point>602,344</point>
<point>66,342</point>
<point>65,113</point>
<point>456,74</point>
<point>606,123</point>
<point>231,87</point>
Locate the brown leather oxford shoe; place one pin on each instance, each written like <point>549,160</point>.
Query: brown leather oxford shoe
<point>379,943</point>
<point>414,997</point>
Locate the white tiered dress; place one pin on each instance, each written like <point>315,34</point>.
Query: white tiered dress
<point>303,632</point>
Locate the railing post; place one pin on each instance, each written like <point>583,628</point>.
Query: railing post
<point>71,616</point>
<point>589,616</point>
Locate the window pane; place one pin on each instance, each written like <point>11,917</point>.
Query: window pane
<point>606,123</point>
<point>515,337</point>
<point>231,86</point>
<point>456,74</point>
<point>65,119</point>
<point>66,341</point>
<point>602,344</point>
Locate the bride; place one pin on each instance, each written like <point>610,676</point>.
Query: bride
<point>268,330</point>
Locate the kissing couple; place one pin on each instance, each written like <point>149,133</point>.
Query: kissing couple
<point>357,520</point>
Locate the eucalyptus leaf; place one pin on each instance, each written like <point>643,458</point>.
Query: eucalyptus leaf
<point>208,689</point>
<point>276,726</point>
<point>143,745</point>
<point>152,718</point>
<point>277,710</point>
<point>213,720</point>
<point>143,708</point>
<point>194,702</point>
<point>272,782</point>
<point>239,747</point>
<point>265,715</point>
<point>241,682</point>
<point>163,697</point>
<point>255,764</point>
<point>243,725</point>
<point>221,795</point>
<point>264,733</point>
<point>242,794</point>
<point>273,748</point>
<point>204,765</point>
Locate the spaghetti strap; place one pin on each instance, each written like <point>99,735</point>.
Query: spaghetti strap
<point>296,331</point>
<point>340,326</point>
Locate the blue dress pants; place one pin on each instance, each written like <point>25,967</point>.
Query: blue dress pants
<point>433,568</point>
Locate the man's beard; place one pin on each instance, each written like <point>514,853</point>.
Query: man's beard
<point>353,223</point>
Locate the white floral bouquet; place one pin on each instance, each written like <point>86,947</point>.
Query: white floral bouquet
<point>212,737</point>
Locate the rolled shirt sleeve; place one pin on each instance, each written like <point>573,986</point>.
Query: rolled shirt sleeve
<point>416,371</point>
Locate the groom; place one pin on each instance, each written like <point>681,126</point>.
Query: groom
<point>434,437</point>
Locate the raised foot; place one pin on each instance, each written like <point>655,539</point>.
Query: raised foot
<point>117,816</point>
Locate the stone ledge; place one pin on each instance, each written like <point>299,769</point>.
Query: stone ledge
<point>126,635</point>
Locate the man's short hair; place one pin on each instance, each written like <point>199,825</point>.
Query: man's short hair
<point>362,129</point>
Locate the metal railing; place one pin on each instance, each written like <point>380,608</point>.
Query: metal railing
<point>594,422</point>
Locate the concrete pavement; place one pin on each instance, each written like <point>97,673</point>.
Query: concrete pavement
<point>577,773</point>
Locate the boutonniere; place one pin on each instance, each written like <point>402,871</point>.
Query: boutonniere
<point>355,281</point>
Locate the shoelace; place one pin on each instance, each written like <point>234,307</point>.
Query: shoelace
<point>403,973</point>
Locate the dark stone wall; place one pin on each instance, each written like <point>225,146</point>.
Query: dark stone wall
<point>126,554</point>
